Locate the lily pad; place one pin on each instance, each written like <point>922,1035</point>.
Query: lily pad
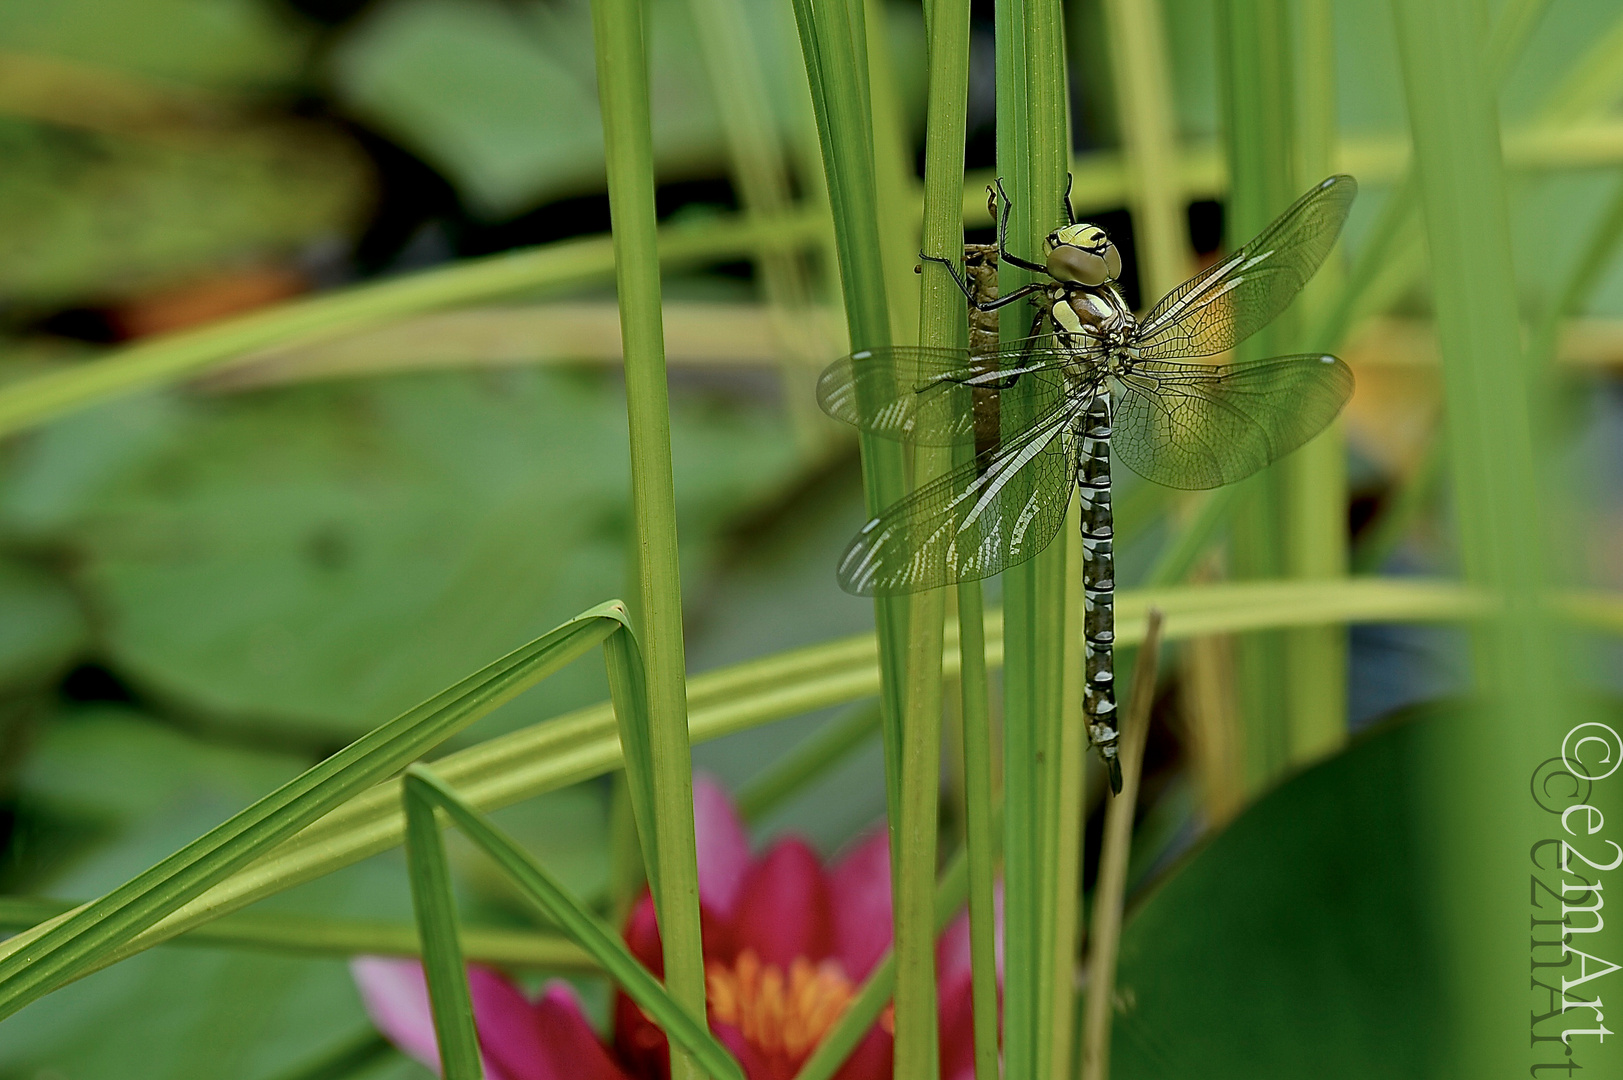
<point>319,559</point>
<point>1292,944</point>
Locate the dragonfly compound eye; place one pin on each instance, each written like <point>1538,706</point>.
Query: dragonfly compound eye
<point>1091,265</point>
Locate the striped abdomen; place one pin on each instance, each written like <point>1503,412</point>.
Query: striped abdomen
<point>1098,579</point>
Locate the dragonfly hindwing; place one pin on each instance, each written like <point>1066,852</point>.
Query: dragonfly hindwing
<point>977,520</point>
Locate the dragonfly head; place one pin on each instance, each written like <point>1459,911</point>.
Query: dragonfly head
<point>1082,254</point>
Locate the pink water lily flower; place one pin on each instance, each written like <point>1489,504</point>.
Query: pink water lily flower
<point>787,943</point>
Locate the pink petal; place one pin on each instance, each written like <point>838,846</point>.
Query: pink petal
<point>642,935</point>
<point>956,1025</point>
<point>640,1044</point>
<point>508,1035</point>
<point>723,846</point>
<point>569,1048</point>
<point>783,909</point>
<point>952,960</point>
<point>395,994</point>
<point>871,1060</point>
<point>860,888</point>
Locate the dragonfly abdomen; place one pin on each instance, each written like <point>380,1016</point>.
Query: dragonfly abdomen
<point>1098,578</point>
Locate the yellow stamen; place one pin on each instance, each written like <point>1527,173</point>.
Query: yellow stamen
<point>778,1014</point>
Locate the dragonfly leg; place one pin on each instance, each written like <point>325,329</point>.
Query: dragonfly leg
<point>974,302</point>
<point>1098,581</point>
<point>1070,214</point>
<point>1003,237</point>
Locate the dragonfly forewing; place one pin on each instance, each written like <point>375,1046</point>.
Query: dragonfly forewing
<point>926,395</point>
<point>1231,300</point>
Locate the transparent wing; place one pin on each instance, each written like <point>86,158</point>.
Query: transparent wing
<point>1228,302</point>
<point>1201,426</point>
<point>977,520</point>
<point>929,395</point>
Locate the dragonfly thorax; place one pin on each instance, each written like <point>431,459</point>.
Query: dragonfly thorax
<point>1094,321</point>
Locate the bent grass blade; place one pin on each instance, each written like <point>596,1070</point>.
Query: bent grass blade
<point>427,792</point>
<point>37,961</point>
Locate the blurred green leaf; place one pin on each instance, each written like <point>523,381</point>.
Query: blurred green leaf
<point>472,89</point>
<point>85,217</point>
<point>113,764</point>
<point>220,43</point>
<point>501,97</point>
<point>317,558</point>
<point>144,790</point>
<point>41,626</point>
<point>1308,901</point>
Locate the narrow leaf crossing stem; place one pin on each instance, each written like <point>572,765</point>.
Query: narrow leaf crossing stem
<point>622,79</point>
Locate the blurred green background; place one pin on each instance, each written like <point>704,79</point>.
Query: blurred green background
<point>207,588</point>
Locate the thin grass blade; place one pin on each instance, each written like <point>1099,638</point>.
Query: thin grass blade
<point>578,922</point>
<point>431,898</point>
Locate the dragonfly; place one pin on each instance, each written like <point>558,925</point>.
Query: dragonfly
<point>1044,414</point>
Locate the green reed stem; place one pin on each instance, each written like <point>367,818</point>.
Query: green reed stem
<point>1574,289</point>
<point>1149,127</point>
<point>1032,152</point>
<point>941,324</point>
<point>432,900</point>
<point>622,78</point>
<point>1476,832</point>
<point>980,839</point>
<point>832,45</point>
<point>740,90</point>
<point>1257,50</point>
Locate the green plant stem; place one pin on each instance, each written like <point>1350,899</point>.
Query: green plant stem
<point>622,82</point>
<point>1315,476</point>
<point>1256,50</point>
<point>1032,155</point>
<point>1068,756</point>
<point>320,936</point>
<point>1477,834</point>
<point>791,773</point>
<point>738,86</point>
<point>163,360</point>
<point>941,324</point>
<point>1572,292</point>
<point>980,839</point>
<point>432,900</point>
<point>1105,938</point>
<point>833,48</point>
